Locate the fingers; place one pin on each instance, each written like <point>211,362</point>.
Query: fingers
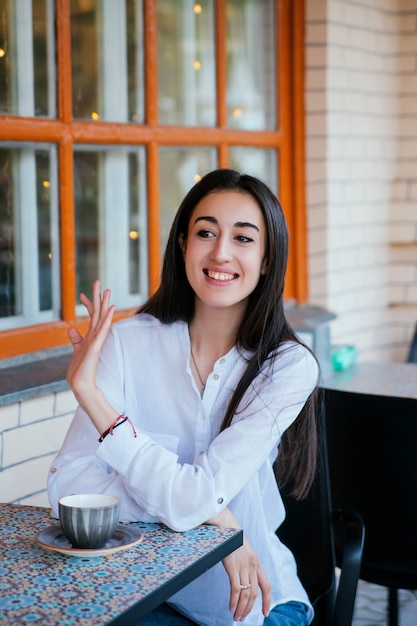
<point>81,373</point>
<point>234,593</point>
<point>245,584</point>
<point>98,307</point>
<point>265,587</point>
<point>75,337</point>
<point>248,592</point>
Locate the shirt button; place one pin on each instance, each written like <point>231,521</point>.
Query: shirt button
<point>222,361</point>
<point>219,500</point>
<point>216,377</point>
<point>53,470</point>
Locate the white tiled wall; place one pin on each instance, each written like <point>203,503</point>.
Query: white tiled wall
<point>361,59</point>
<point>31,433</point>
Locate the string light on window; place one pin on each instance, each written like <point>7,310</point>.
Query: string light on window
<point>133,234</point>
<point>197,178</point>
<point>237,112</point>
<point>50,255</point>
<point>95,115</point>
<point>197,9</point>
<point>46,184</point>
<point>2,53</point>
<point>197,65</point>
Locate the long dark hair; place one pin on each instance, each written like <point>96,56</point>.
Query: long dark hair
<point>264,327</point>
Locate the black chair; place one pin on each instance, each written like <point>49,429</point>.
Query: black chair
<point>311,530</point>
<point>372,452</point>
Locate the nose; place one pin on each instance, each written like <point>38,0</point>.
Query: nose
<point>222,250</point>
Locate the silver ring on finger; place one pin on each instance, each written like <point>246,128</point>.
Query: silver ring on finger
<point>243,587</point>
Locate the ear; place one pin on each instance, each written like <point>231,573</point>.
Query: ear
<point>264,267</point>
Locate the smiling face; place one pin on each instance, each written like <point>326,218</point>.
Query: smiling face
<point>224,251</point>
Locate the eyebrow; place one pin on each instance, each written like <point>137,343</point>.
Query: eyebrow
<point>213,220</point>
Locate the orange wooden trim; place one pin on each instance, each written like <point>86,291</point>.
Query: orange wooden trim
<point>67,234</point>
<point>154,226</point>
<point>32,338</point>
<point>31,129</point>
<point>283,80</point>
<point>64,64</point>
<point>102,133</point>
<point>298,121</point>
<point>151,62</point>
<point>221,62</point>
<point>43,336</point>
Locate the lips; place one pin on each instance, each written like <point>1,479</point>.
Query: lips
<point>220,276</point>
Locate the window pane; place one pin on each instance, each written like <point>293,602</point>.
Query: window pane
<point>107,60</point>
<point>27,58</point>
<point>180,168</point>
<point>86,187</point>
<point>259,162</point>
<point>46,228</point>
<point>8,252</point>
<point>29,235</point>
<point>251,83</point>
<point>110,214</point>
<point>186,63</point>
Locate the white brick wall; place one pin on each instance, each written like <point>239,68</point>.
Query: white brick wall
<point>31,433</point>
<point>361,58</point>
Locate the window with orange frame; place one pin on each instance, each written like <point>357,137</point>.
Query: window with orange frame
<point>110,110</point>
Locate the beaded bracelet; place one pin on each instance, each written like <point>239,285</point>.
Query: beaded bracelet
<point>117,422</point>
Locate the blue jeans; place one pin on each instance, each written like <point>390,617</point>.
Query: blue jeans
<point>288,614</point>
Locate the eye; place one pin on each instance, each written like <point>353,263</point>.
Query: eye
<point>244,239</point>
<point>204,233</point>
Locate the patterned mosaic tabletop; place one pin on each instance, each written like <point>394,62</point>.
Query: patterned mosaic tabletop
<point>38,586</point>
<point>382,379</point>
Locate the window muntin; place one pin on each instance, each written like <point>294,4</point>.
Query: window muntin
<point>29,235</point>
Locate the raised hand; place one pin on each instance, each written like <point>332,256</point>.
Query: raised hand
<point>81,373</point>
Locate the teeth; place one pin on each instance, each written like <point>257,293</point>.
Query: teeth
<point>220,275</point>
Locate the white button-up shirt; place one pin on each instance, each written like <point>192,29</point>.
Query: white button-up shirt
<point>179,470</point>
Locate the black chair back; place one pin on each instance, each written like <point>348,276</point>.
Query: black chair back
<point>309,532</point>
<point>372,448</point>
<point>372,443</point>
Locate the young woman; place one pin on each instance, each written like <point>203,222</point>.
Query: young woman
<point>214,381</point>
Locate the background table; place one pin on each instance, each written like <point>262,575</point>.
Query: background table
<point>43,587</point>
<point>397,380</point>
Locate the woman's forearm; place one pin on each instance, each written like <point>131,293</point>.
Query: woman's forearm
<point>225,518</point>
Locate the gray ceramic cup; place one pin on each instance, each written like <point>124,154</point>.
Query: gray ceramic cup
<point>88,520</point>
